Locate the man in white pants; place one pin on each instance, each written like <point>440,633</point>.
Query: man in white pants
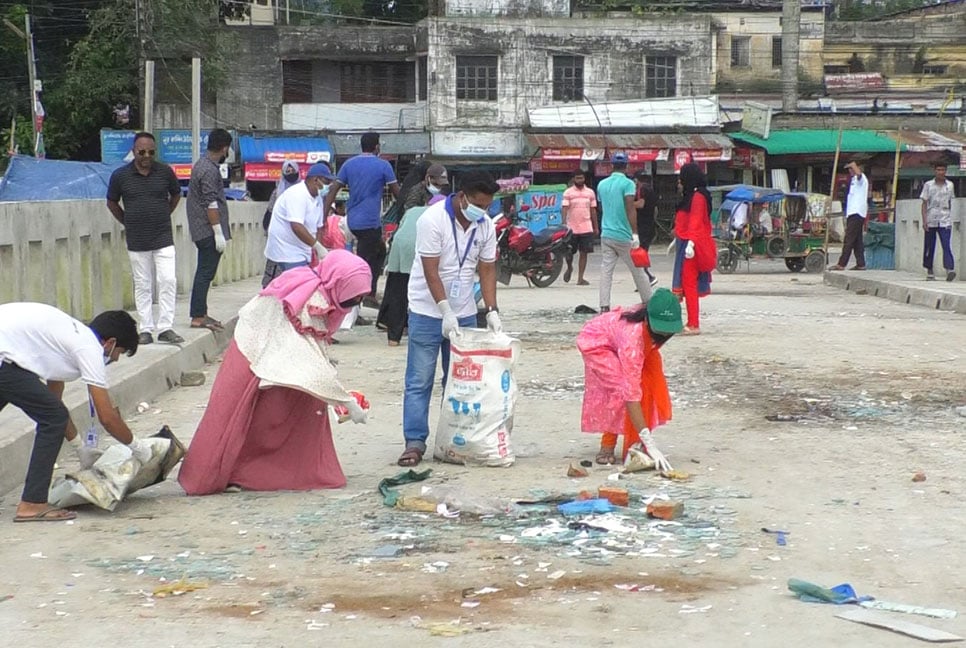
<point>149,191</point>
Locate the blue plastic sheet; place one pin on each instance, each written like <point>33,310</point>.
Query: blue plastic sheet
<point>29,178</point>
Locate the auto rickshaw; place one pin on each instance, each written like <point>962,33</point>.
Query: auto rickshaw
<point>760,222</point>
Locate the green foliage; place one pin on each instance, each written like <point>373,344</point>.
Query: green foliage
<point>860,10</point>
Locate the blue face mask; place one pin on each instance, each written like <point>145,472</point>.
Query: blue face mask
<point>474,212</point>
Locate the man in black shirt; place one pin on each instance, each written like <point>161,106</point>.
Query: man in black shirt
<point>149,191</point>
<point>646,204</point>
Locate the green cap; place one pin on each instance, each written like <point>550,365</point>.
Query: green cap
<point>664,312</point>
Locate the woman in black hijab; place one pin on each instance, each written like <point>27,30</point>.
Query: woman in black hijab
<point>696,252</point>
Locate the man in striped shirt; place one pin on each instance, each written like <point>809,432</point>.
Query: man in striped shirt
<point>149,192</point>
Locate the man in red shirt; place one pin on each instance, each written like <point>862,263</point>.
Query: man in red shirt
<point>580,213</point>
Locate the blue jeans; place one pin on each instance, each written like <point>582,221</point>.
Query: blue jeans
<point>929,248</point>
<point>425,343</point>
<point>208,258</point>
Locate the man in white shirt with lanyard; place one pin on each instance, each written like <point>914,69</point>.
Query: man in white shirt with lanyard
<point>455,240</point>
<point>41,348</point>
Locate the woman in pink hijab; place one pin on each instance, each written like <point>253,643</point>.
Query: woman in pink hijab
<point>267,425</point>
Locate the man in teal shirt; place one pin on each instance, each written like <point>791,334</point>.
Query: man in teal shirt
<point>618,230</point>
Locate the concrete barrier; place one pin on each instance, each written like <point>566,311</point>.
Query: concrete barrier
<point>72,254</point>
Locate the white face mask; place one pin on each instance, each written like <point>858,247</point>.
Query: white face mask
<point>474,212</point>
<point>324,191</point>
<point>433,189</point>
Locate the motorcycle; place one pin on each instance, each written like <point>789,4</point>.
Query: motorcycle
<point>538,257</point>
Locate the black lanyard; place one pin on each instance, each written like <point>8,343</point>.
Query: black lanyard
<point>456,245</point>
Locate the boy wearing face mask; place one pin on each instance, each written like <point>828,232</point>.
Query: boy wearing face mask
<point>41,348</point>
<point>435,183</point>
<point>290,178</point>
<point>297,224</point>
<point>455,240</point>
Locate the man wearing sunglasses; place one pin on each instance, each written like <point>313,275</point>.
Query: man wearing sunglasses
<point>142,196</point>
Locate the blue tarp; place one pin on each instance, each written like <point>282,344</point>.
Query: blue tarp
<point>747,193</point>
<point>30,178</point>
<point>278,149</point>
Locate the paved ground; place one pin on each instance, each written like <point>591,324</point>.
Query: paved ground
<point>868,389</point>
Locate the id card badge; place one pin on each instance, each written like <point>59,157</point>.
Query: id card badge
<point>90,439</point>
<point>455,290</point>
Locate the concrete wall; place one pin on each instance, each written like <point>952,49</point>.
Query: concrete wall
<point>355,116</point>
<point>614,52</point>
<point>72,254</point>
<point>508,8</point>
<point>909,237</point>
<point>253,94</point>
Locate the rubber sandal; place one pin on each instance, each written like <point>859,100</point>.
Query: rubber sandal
<point>605,457</point>
<point>52,514</point>
<point>410,457</point>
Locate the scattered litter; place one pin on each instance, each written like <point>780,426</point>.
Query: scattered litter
<point>879,620</point>
<point>919,476</point>
<point>812,593</point>
<point>576,471</point>
<point>177,588</point>
<point>783,418</point>
<point>616,496</point>
<point>637,461</point>
<point>145,558</point>
<point>389,496</point>
<point>436,567</point>
<point>675,475</point>
<point>780,536</point>
<point>143,407</point>
<point>315,625</point>
<point>615,476</point>
<point>628,587</point>
<point>587,463</point>
<point>39,554</point>
<point>557,575</point>
<point>936,613</point>
<point>691,609</point>
<point>470,604</point>
<point>669,510</point>
<point>192,379</point>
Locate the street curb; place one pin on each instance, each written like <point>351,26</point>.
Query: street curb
<point>919,296</point>
<point>130,384</point>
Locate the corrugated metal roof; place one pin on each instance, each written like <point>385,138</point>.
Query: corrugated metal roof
<point>625,141</point>
<point>791,142</point>
<point>924,141</point>
<point>651,114</point>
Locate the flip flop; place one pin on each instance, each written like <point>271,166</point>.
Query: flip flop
<point>410,457</point>
<point>605,457</point>
<point>49,515</point>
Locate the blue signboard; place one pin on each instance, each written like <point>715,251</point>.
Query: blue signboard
<point>539,206</point>
<point>174,146</point>
<point>116,145</point>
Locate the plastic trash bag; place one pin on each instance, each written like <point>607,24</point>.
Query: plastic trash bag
<point>477,413</point>
<point>117,474</point>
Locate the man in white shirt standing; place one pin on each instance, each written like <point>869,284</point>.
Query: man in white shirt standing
<point>856,210</point>
<point>41,348</point>
<point>297,223</point>
<point>937,221</point>
<point>455,240</point>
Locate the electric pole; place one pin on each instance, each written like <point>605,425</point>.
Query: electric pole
<point>36,110</point>
<point>791,32</point>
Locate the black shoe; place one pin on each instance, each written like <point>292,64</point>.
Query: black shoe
<point>362,321</point>
<point>371,302</point>
<point>950,275</point>
<point>170,337</point>
<point>145,338</point>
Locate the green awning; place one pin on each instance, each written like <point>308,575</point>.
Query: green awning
<point>791,142</point>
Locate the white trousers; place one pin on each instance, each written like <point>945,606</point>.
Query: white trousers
<point>145,267</point>
<point>613,251</point>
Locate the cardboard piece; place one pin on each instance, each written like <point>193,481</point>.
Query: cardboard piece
<point>879,620</point>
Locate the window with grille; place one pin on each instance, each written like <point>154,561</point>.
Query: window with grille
<point>296,81</point>
<point>476,78</point>
<point>740,51</point>
<point>661,76</point>
<point>376,82</point>
<point>568,78</point>
<point>776,51</point>
<point>932,69</point>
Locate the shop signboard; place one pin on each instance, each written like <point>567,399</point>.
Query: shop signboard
<point>756,119</point>
<point>268,172</point>
<point>562,154</point>
<point>539,206</point>
<point>116,145</point>
<point>478,143</point>
<point>539,165</point>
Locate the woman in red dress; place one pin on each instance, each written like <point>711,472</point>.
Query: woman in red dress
<point>696,252</point>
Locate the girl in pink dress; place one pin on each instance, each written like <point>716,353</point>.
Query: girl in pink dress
<point>625,391</point>
<point>267,426</point>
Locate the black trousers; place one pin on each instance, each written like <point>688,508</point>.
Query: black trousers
<point>208,258</point>
<point>25,390</point>
<point>394,309</point>
<point>853,241</point>
<point>372,250</point>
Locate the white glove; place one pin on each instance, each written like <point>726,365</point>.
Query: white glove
<point>652,450</point>
<point>86,455</point>
<point>635,241</point>
<point>320,250</point>
<point>141,450</point>
<point>356,413</point>
<point>450,323</point>
<point>689,250</point>
<point>220,241</point>
<point>493,322</point>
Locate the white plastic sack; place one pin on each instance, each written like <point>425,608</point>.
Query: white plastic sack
<point>350,319</point>
<point>117,474</point>
<point>477,413</point>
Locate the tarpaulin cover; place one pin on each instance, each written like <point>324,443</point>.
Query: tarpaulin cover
<point>746,193</point>
<point>29,178</point>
